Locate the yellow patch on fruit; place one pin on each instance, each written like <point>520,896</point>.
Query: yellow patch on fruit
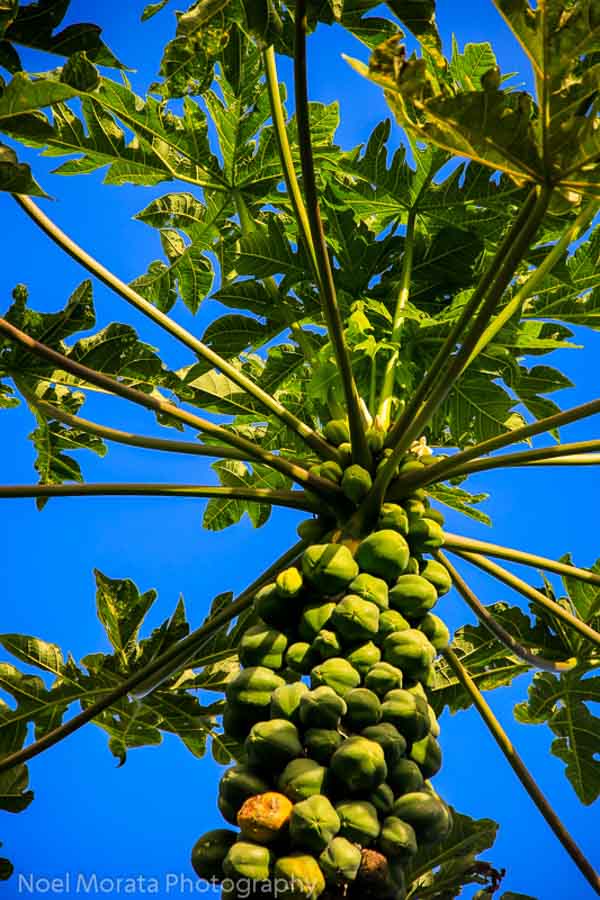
<point>263,817</point>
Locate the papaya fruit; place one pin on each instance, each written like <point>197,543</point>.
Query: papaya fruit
<point>434,725</point>
<point>335,673</point>
<point>355,619</point>
<point>413,596</point>
<point>359,822</point>
<point>363,657</point>
<point>321,743</point>
<point>435,630</point>
<point>438,575</point>
<point>252,688</point>
<point>364,709</point>
<point>391,621</point>
<point>356,483</point>
<point>415,509</point>
<point>247,860</point>
<point>227,811</point>
<point>411,464</point>
<point>326,644</point>
<point>340,861</point>
<point>314,823</point>
<point>427,754</point>
<point>329,567</point>
<point>285,701</point>
<point>393,516</point>
<point>382,799</point>
<point>238,720</point>
<point>389,739</point>
<point>263,818</point>
<point>302,778</point>
<point>397,839</point>
<point>382,678</point>
<point>414,566</point>
<point>375,879</point>
<point>359,764</point>
<point>332,471</point>
<point>209,852</point>
<point>261,645</point>
<point>289,582</point>
<point>275,612</point>
<point>435,514</point>
<point>375,438</point>
<point>298,877</point>
<point>272,744</point>
<point>300,657</point>
<point>345,452</point>
<point>311,530</point>
<point>337,432</point>
<point>410,651</point>
<point>238,784</point>
<point>405,777</point>
<point>315,617</point>
<point>407,713</point>
<point>322,708</point>
<point>425,535</point>
<point>426,813</point>
<point>383,553</point>
<point>370,588</point>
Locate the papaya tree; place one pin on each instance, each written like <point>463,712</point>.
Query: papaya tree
<point>383,306</point>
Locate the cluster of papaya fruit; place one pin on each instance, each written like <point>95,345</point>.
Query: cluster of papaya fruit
<point>332,797</point>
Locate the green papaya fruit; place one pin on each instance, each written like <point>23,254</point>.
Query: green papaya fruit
<point>436,515</point>
<point>265,817</point>
<point>272,610</point>
<point>413,596</point>
<point>375,439</point>
<point>397,839</point>
<point>340,861</point>
<point>426,813</point>
<point>227,811</point>
<point>322,708</point>
<point>364,657</point>
<point>438,575</point>
<point>370,588</point>
<point>405,777</point>
<point>364,709</point>
<point>409,650</point>
<point>425,535</point>
<point>253,687</point>
<point>345,452</point>
<point>302,778</point>
<point>336,673</point>
<point>298,877</point>
<point>272,744</point>
<point>359,821</point>
<point>315,617</point>
<point>382,678</point>
<point>393,516</point>
<point>210,850</point>
<point>355,619</point>
<point>411,464</point>
<point>359,765</point>
<point>435,630</point>
<point>434,726</point>
<point>238,720</point>
<point>384,554</point>
<point>321,743</point>
<point>238,784</point>
<point>391,621</point>
<point>337,432</point>
<point>300,657</point>
<point>413,567</point>
<point>285,701</point>
<point>314,823</point>
<point>311,530</point>
<point>427,753</point>
<point>332,471</point>
<point>389,739</point>
<point>248,861</point>
<point>329,567</point>
<point>262,645</point>
<point>407,713</point>
<point>326,645</point>
<point>382,799</point>
<point>356,483</point>
<point>289,582</point>
<point>415,510</point>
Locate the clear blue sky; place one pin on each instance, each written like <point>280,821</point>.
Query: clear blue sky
<point>88,816</point>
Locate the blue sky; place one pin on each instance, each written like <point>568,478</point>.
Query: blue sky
<point>88,816</point>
